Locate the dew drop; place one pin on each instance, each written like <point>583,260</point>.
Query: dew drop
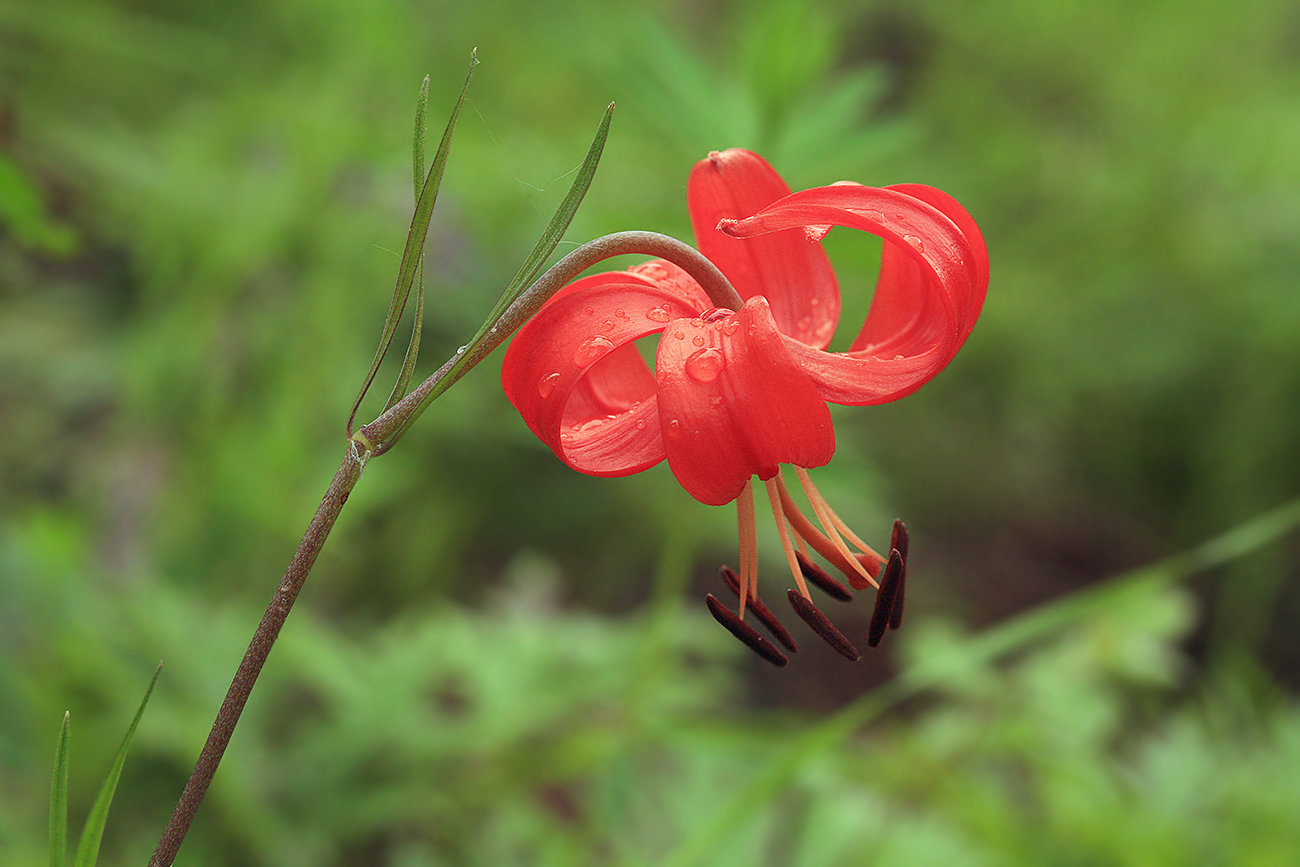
<point>916,242</point>
<point>679,335</point>
<point>658,314</point>
<point>697,322</point>
<point>547,384</point>
<point>874,216</point>
<point>591,349</point>
<point>618,313</point>
<point>640,425</point>
<point>898,358</point>
<point>589,311</point>
<point>607,325</point>
<point>816,233</point>
<point>705,365</point>
<point>730,327</point>
<point>461,350</point>
<point>566,438</point>
<point>697,340</point>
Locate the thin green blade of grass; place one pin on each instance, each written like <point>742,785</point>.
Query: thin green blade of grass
<point>490,336</point>
<point>59,797</point>
<point>93,832</point>
<point>413,252</point>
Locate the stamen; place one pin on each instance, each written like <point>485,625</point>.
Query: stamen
<point>823,627</point>
<point>774,498</point>
<point>823,513</point>
<point>899,542</point>
<point>748,545</point>
<point>824,582</point>
<point>822,545</point>
<point>888,599</point>
<point>761,611</point>
<point>743,631</point>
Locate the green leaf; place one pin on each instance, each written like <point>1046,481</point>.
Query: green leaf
<point>413,253</point>
<point>93,832</point>
<point>59,798</point>
<point>417,321</point>
<point>489,336</point>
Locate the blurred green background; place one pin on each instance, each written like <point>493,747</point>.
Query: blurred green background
<point>499,661</point>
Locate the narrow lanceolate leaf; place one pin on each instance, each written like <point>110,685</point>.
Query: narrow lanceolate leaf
<point>413,253</point>
<point>417,320</point>
<point>59,799</point>
<point>498,326</point>
<point>93,832</point>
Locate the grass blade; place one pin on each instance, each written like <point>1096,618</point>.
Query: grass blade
<point>413,253</point>
<point>59,798</point>
<point>93,832</point>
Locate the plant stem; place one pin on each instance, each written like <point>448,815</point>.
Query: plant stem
<point>349,472</point>
<point>377,438</point>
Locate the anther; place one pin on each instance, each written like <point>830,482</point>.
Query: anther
<point>743,631</point>
<point>823,627</point>
<point>889,603</point>
<point>825,583</point>
<point>898,542</point>
<point>761,611</point>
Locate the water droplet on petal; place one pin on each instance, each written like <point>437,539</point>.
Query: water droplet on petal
<point>658,314</point>
<point>730,327</point>
<point>640,425</point>
<point>679,335</point>
<point>697,340</point>
<point>916,242</point>
<point>705,365</point>
<point>591,349</point>
<point>618,313</point>
<point>547,384</point>
<point>590,311</point>
<point>816,233</point>
<point>607,325</point>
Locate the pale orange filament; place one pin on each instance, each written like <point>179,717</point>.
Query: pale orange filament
<point>774,497</point>
<point>829,520</point>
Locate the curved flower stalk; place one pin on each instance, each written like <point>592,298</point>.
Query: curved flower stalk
<point>738,391</point>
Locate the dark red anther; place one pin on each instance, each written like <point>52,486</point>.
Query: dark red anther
<point>761,611</point>
<point>818,577</point>
<point>823,627</point>
<point>898,541</point>
<point>746,633</point>
<point>889,605</point>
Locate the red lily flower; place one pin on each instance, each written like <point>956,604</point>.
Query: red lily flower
<point>737,393</point>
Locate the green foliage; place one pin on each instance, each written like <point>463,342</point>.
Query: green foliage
<point>200,206</point>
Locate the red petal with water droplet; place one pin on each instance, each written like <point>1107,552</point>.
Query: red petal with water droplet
<point>574,374</point>
<point>788,268</point>
<point>934,274</point>
<point>733,403</point>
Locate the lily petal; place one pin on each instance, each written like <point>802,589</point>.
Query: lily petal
<point>788,268</point>
<point>934,274</point>
<point>574,374</point>
<point>733,403</point>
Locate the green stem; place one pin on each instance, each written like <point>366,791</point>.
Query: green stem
<point>383,433</point>
<point>378,437</point>
<point>349,472</point>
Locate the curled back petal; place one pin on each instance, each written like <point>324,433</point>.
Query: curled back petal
<point>574,374</point>
<point>789,268</point>
<point>934,273</point>
<point>733,403</point>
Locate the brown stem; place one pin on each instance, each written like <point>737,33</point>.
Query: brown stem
<point>259,648</point>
